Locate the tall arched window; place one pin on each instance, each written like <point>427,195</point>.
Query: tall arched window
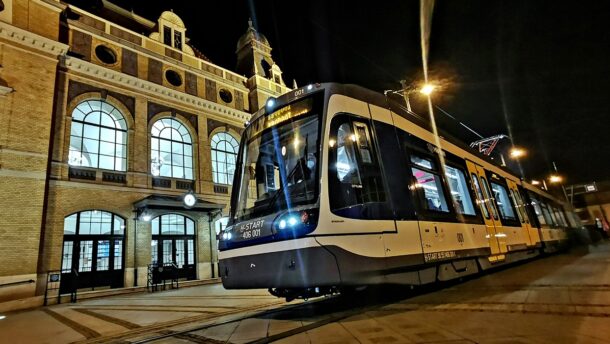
<point>224,155</point>
<point>171,150</point>
<point>98,136</point>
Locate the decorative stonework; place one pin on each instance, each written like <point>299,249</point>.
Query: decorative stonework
<point>32,40</point>
<point>87,68</point>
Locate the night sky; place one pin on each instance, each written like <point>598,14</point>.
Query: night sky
<point>538,71</point>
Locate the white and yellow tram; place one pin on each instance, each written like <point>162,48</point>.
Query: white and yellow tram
<point>338,187</point>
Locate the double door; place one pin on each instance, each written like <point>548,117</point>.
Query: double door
<point>91,262</point>
<point>487,204</point>
<point>176,250</point>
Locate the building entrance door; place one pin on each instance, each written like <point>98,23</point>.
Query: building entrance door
<point>92,251</point>
<point>173,242</point>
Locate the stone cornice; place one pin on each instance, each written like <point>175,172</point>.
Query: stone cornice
<point>32,40</point>
<point>128,81</point>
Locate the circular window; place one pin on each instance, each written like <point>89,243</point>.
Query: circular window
<point>105,54</point>
<point>225,95</point>
<point>173,77</point>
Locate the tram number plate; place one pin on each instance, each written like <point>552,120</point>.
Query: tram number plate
<point>251,234</point>
<point>432,256</point>
<point>250,230</point>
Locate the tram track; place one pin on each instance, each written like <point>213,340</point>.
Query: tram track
<point>124,337</point>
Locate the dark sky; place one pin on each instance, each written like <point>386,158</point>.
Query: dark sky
<point>538,71</point>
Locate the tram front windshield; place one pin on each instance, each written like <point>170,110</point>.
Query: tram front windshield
<point>279,162</point>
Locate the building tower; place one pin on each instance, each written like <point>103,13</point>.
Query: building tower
<point>255,62</point>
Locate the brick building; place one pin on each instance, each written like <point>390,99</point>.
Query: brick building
<point>104,131</point>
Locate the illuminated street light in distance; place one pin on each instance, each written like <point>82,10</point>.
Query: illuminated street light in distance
<point>517,153</point>
<point>555,179</point>
<point>427,89</point>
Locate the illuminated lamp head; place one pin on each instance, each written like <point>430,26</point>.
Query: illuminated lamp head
<point>270,103</point>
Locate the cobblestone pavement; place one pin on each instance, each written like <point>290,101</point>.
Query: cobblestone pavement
<point>559,299</point>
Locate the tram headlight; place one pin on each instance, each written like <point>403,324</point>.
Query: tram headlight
<point>282,224</point>
<point>270,103</point>
<point>226,236</point>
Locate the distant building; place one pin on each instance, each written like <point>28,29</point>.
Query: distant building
<point>104,130</point>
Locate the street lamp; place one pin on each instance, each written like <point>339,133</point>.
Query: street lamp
<point>427,89</point>
<point>517,152</point>
<point>406,90</point>
<point>554,178</point>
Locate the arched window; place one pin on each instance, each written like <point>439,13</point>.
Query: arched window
<point>224,155</point>
<point>98,136</point>
<point>171,150</point>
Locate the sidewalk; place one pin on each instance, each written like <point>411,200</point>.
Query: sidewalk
<point>86,319</point>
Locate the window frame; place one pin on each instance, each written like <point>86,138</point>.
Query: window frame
<point>381,209</point>
<point>120,128</point>
<point>214,157</point>
<point>161,141</point>
<point>509,222</point>
<point>468,186</point>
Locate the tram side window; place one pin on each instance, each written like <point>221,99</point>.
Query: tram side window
<point>503,201</point>
<point>355,175</point>
<point>459,191</point>
<point>429,181</point>
<point>547,215</point>
<point>538,211</point>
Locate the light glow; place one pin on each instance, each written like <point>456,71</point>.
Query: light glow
<point>427,89</point>
<point>555,179</point>
<point>516,153</point>
<point>331,143</point>
<point>535,182</point>
<point>353,137</point>
<point>292,221</point>
<point>282,224</point>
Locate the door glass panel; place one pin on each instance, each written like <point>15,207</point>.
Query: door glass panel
<point>481,198</point>
<point>488,199</point>
<point>103,255</point>
<point>459,191</point>
<point>167,252</point>
<point>503,202</point>
<point>180,253</point>
<point>191,252</point>
<point>86,256</point>
<point>154,252</point>
<point>66,260</point>
<point>118,254</point>
<point>517,201</point>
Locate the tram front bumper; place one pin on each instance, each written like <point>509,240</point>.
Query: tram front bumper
<point>298,268</point>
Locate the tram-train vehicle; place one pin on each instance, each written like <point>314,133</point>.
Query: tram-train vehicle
<point>338,187</point>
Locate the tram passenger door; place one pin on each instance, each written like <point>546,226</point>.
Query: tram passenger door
<point>495,235</point>
<point>530,234</point>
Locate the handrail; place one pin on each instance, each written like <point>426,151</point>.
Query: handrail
<point>16,283</point>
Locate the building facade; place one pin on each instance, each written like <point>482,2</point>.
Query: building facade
<point>109,120</point>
